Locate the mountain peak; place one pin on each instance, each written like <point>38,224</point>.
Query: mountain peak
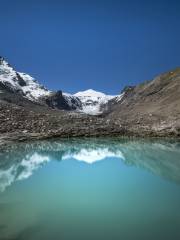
<point>92,101</point>
<point>20,82</point>
<point>88,101</point>
<point>3,61</point>
<point>89,92</point>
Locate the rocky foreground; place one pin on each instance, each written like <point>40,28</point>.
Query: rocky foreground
<point>151,109</point>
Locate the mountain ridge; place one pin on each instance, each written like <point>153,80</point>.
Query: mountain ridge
<point>88,101</point>
<point>150,109</point>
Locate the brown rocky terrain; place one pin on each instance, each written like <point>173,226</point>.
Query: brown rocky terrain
<point>149,109</point>
<point>22,119</point>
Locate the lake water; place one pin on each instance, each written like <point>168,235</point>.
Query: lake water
<point>90,189</point>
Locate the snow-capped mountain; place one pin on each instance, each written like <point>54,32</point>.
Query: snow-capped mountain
<point>89,101</point>
<point>33,90</point>
<point>92,101</point>
<point>20,82</point>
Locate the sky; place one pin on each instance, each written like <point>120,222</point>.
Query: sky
<point>74,45</point>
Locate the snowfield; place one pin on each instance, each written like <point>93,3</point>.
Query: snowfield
<point>92,101</point>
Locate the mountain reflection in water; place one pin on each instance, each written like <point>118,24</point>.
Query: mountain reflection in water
<point>20,161</point>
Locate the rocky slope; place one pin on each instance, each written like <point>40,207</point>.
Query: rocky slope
<point>152,107</point>
<point>30,111</point>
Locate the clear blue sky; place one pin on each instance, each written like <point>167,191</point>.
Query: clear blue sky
<point>76,45</point>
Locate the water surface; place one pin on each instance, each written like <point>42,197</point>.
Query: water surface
<point>90,189</point>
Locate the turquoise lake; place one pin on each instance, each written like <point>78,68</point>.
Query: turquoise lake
<point>90,189</point>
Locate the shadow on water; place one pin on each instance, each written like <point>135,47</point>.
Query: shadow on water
<point>25,234</point>
<point>161,157</point>
<point>2,227</point>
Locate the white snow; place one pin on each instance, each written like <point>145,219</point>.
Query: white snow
<point>90,100</point>
<point>8,75</point>
<point>93,100</point>
<point>32,90</point>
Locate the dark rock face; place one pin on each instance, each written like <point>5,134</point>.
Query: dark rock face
<point>1,60</point>
<point>5,87</point>
<point>58,101</point>
<point>21,81</point>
